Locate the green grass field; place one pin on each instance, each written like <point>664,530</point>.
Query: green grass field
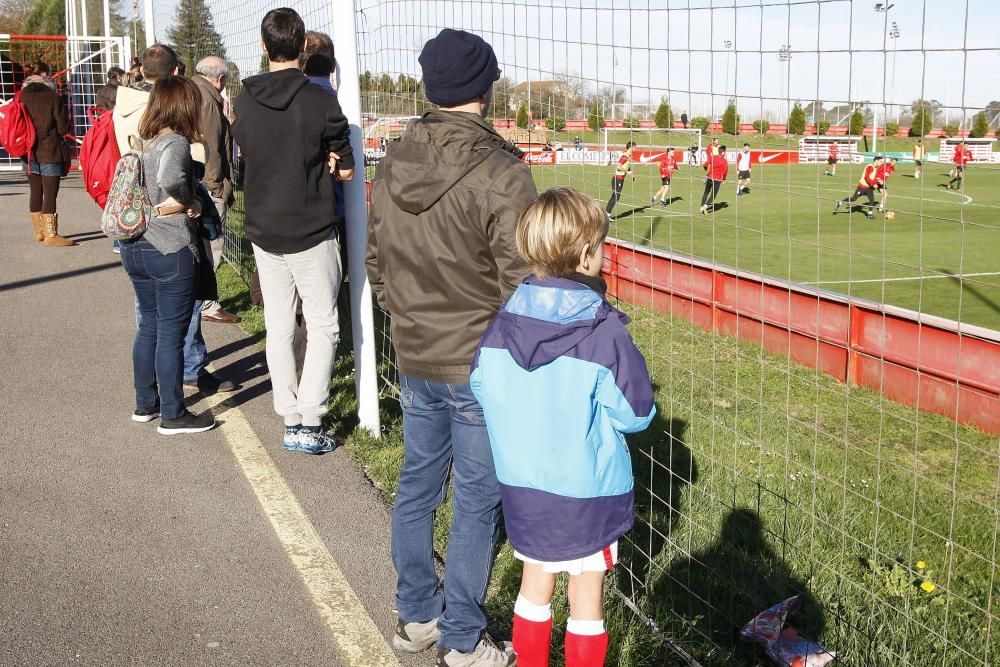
<point>785,228</point>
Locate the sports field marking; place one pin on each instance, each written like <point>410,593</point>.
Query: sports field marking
<point>959,276</point>
<point>358,641</point>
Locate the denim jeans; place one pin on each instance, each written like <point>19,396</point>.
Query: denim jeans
<point>164,290</point>
<point>195,348</point>
<point>443,428</point>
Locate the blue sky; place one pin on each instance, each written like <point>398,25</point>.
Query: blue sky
<point>840,49</point>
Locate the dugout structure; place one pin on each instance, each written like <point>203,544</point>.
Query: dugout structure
<point>981,148</point>
<point>817,148</point>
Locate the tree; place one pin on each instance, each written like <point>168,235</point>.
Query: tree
<point>556,123</point>
<point>13,14</point>
<point>823,126</point>
<point>891,129</point>
<point>921,104</point>
<point>731,119</point>
<point>797,120</point>
<point>980,125</point>
<point>523,119</point>
<point>630,122</point>
<point>856,125</point>
<point>951,129</point>
<point>923,121</point>
<point>762,126</point>
<point>595,119</point>
<point>193,33</point>
<point>48,17</point>
<point>664,115</point>
<point>502,98</point>
<point>701,123</point>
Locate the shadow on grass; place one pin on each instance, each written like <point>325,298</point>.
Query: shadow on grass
<point>715,591</point>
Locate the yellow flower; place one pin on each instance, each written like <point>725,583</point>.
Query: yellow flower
<point>921,564</point>
<point>928,587</point>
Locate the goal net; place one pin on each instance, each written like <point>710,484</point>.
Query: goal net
<point>615,138</point>
<point>827,384</point>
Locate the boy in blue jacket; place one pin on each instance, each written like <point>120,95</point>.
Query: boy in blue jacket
<point>560,381</point>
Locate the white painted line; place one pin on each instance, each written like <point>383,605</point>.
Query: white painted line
<point>960,276</point>
<point>359,642</point>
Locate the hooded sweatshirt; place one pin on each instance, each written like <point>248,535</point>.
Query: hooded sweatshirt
<point>441,254</point>
<point>560,381</point>
<point>286,128</point>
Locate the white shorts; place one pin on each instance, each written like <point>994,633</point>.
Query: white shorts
<point>602,561</point>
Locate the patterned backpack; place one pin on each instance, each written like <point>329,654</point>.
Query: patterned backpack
<point>128,209</point>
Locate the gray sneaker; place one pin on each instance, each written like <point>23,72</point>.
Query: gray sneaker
<point>415,637</point>
<point>486,654</point>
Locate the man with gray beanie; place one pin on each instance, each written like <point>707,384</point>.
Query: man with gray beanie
<point>441,261</point>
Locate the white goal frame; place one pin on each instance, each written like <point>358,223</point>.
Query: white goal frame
<point>606,131</point>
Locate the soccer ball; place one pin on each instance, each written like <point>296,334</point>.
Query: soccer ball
<point>889,215</point>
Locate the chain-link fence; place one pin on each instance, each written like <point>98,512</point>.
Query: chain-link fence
<point>799,351</point>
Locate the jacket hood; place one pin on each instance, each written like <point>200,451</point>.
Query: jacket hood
<point>545,319</point>
<point>130,101</point>
<point>206,87</point>
<point>434,154</point>
<point>275,90</point>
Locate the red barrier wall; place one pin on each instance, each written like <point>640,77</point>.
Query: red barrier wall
<point>935,364</point>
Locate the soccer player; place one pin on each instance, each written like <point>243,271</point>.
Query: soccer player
<point>717,169</point>
<point>882,175</point>
<point>668,166</point>
<point>919,154</point>
<point>693,155</point>
<point>961,158</point>
<point>833,155</point>
<point>866,188</point>
<point>622,169</point>
<point>743,171</point>
<point>713,148</point>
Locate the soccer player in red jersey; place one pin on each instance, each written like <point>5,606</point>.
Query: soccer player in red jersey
<point>961,158</point>
<point>668,165</point>
<point>717,169</point>
<point>622,169</point>
<point>833,154</point>
<point>882,175</point>
<point>866,187</point>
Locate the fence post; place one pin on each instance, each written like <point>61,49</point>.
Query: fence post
<point>362,319</point>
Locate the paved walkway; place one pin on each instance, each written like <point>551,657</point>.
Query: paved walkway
<point>119,546</point>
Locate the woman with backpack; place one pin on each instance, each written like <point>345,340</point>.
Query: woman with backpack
<point>44,163</point>
<point>163,262</point>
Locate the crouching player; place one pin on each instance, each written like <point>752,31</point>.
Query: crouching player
<point>866,188</point>
<point>560,381</point>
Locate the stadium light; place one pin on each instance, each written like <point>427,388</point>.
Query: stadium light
<point>883,7</point>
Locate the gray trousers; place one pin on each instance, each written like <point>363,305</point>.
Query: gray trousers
<point>313,276</point>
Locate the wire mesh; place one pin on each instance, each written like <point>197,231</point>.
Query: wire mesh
<point>79,68</point>
<point>764,476</point>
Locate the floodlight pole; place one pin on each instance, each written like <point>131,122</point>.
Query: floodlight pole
<point>150,28</point>
<point>362,316</point>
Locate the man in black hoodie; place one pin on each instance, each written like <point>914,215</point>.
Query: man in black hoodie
<point>442,260</point>
<point>287,131</point>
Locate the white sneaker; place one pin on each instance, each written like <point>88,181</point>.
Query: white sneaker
<point>486,654</point>
<point>415,637</point>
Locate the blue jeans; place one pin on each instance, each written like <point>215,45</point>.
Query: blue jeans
<point>195,349</point>
<point>443,428</point>
<point>164,290</point>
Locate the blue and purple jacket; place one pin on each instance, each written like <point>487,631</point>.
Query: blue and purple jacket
<point>560,381</point>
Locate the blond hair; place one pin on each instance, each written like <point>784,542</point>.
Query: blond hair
<point>556,228</point>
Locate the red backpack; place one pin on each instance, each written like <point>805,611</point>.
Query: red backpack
<point>99,155</point>
<point>17,133</point>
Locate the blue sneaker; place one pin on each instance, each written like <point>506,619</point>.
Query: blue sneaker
<point>299,439</point>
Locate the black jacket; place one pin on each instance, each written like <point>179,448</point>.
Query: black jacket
<point>285,129</point>
<point>48,114</point>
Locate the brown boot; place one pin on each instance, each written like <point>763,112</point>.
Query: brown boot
<point>36,222</point>
<point>50,221</point>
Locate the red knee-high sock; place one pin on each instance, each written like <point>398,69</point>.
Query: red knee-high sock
<point>531,642</point>
<point>585,650</point>
<point>532,632</point>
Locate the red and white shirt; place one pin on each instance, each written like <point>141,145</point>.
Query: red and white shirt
<point>668,166</point>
